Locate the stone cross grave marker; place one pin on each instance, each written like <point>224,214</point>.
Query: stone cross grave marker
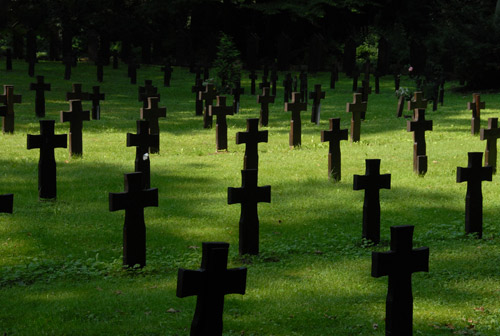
<point>75,116</point>
<point>253,77</point>
<point>237,91</point>
<point>147,91</point>
<point>208,96</point>
<point>142,142</point>
<point>47,141</point>
<point>265,83</point>
<point>40,87</point>
<point>198,87</point>
<point>76,93</point>
<point>210,283</point>
<point>399,264</point>
<point>221,111</point>
<point>251,138</point>
<point>264,100</point>
<point>167,74</point>
<point>491,134</point>
<point>397,81</point>
<point>476,105</point>
<point>96,96</point>
<point>474,175</point>
<point>8,61</point>
<point>419,126</point>
<point>356,108</point>
<point>8,99</point>
<point>334,135</point>
<point>151,113</point>
<point>6,203</point>
<point>371,183</point>
<point>287,87</point>
<point>417,102</point>
<point>316,97</point>
<point>133,200</point>
<point>249,195</point>
<point>295,123</point>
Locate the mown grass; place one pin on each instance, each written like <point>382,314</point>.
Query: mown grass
<point>60,262</point>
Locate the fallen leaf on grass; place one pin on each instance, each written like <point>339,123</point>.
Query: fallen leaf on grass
<point>481,309</point>
<point>173,311</point>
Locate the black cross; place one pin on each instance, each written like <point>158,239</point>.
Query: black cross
<point>133,201</point>
<point>316,96</point>
<point>198,87</point>
<point>253,77</point>
<point>371,183</point>
<point>334,136</point>
<point>237,91</point>
<point>264,101</point>
<point>399,264</point>
<point>96,96</point>
<point>77,93</point>
<point>357,107</point>
<point>476,105</point>
<point>419,126</point>
<point>249,195</point>
<point>142,141</point>
<point>151,114</point>
<point>221,111</point>
<point>474,174</point>
<point>40,87</point>
<point>47,141</point>
<point>6,203</point>
<point>417,102</point>
<point>76,116</point>
<point>295,124</point>
<point>491,134</point>
<point>147,91</point>
<point>265,83</point>
<point>210,283</point>
<point>167,74</point>
<point>208,96</point>
<point>9,99</point>
<point>251,138</point>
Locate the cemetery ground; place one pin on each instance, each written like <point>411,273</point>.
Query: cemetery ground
<point>60,261</point>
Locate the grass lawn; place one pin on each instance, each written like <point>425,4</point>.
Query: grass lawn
<point>60,262</point>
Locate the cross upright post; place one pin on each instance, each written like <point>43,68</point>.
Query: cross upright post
<point>237,91</point>
<point>265,83</point>
<point>475,106</point>
<point>287,88</point>
<point>221,111</point>
<point>334,135</point>
<point>147,91</point>
<point>6,203</point>
<point>167,74</point>
<point>356,108</point>
<point>253,77</point>
<point>9,99</point>
<point>399,264</point>
<point>142,141</point>
<point>77,93</point>
<point>197,88</point>
<point>295,123</point>
<point>47,141</point>
<point>96,96</point>
<point>303,86</point>
<point>316,96</point>
<point>371,183</point>
<point>210,283</point>
<point>151,113</point>
<point>75,116</point>
<point>251,138</point>
<point>40,87</point>
<point>417,102</point>
<point>474,174</point>
<point>264,100</point>
<point>491,134</point>
<point>419,126</point>
<point>249,195</point>
<point>208,96</point>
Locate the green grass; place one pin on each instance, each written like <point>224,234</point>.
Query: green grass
<point>60,262</point>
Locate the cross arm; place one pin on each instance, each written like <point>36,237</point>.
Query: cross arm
<point>381,263</point>
<point>359,182</point>
<point>7,203</point>
<point>463,174</point>
<point>234,195</point>
<point>385,181</point>
<point>34,141</point>
<point>264,194</point>
<point>489,134</point>
<point>3,110</point>
<point>236,281</point>
<point>118,201</point>
<point>189,282</point>
<point>150,197</point>
<point>420,259</point>
<point>66,116</point>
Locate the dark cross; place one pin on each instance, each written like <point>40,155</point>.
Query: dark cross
<point>371,183</point>
<point>151,114</point>
<point>419,126</point>
<point>68,62</point>
<point>397,81</point>
<point>287,87</point>
<point>237,91</point>
<point>210,283</point>
<point>8,62</point>
<point>76,116</point>
<point>208,96</point>
<point>253,77</point>
<point>399,264</point>
<point>264,101</point>
<point>295,123</point>
<point>6,203</point>
<point>265,83</point>
<point>132,72</point>
<point>167,74</point>
<point>40,87</point>
<point>491,134</point>
<point>96,96</point>
<point>198,87</point>
<point>249,195</point>
<point>251,138</point>
<point>476,105</point>
<point>357,107</point>
<point>334,136</point>
<point>274,79</point>
<point>221,111</point>
<point>474,174</point>
<point>303,86</point>
<point>133,201</point>
<point>316,96</point>
<point>77,93</point>
<point>8,99</point>
<point>47,141</point>
<point>142,141</point>
<point>417,102</point>
<point>147,91</point>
